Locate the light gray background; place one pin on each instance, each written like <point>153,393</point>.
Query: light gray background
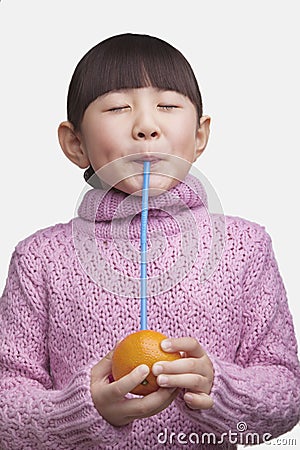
<point>246,57</point>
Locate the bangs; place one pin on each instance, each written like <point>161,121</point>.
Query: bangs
<point>129,61</point>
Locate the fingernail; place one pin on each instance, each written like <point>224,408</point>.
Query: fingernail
<point>166,344</point>
<point>188,398</point>
<point>157,369</point>
<point>143,369</point>
<point>162,380</point>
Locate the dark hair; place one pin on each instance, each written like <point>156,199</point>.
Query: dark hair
<point>129,61</point>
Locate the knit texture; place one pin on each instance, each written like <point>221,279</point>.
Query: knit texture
<point>72,293</point>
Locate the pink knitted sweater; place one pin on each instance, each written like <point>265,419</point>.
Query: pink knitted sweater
<point>72,292</point>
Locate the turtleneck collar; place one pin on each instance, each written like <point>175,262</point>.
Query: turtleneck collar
<point>99,205</point>
<point>107,233</point>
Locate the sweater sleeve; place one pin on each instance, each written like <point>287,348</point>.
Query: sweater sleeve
<point>33,414</point>
<point>259,392</point>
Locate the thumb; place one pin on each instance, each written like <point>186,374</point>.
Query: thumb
<point>102,369</point>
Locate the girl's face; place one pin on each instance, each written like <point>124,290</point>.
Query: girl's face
<point>123,128</point>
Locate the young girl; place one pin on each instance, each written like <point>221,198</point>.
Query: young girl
<point>72,289</point>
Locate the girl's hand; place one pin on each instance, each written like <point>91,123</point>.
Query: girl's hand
<point>194,372</point>
<point>110,401</point>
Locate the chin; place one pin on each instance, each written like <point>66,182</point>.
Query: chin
<point>160,184</point>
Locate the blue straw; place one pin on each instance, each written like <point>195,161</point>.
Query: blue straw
<point>144,219</point>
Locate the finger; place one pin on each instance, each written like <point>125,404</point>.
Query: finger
<point>102,369</point>
<point>151,404</point>
<point>191,381</point>
<point>173,394</point>
<point>118,389</point>
<point>198,401</point>
<point>165,400</point>
<point>187,344</point>
<point>184,365</point>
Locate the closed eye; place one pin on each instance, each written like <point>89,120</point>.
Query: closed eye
<point>118,108</point>
<point>168,107</point>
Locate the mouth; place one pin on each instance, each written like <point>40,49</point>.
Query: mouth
<point>151,159</point>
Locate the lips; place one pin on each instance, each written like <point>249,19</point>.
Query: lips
<point>152,158</point>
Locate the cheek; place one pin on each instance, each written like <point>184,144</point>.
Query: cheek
<point>95,134</point>
<point>184,131</point>
<point>185,139</point>
<point>101,142</point>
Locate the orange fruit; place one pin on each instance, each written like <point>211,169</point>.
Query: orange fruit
<point>142,347</point>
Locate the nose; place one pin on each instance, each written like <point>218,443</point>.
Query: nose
<point>145,128</point>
